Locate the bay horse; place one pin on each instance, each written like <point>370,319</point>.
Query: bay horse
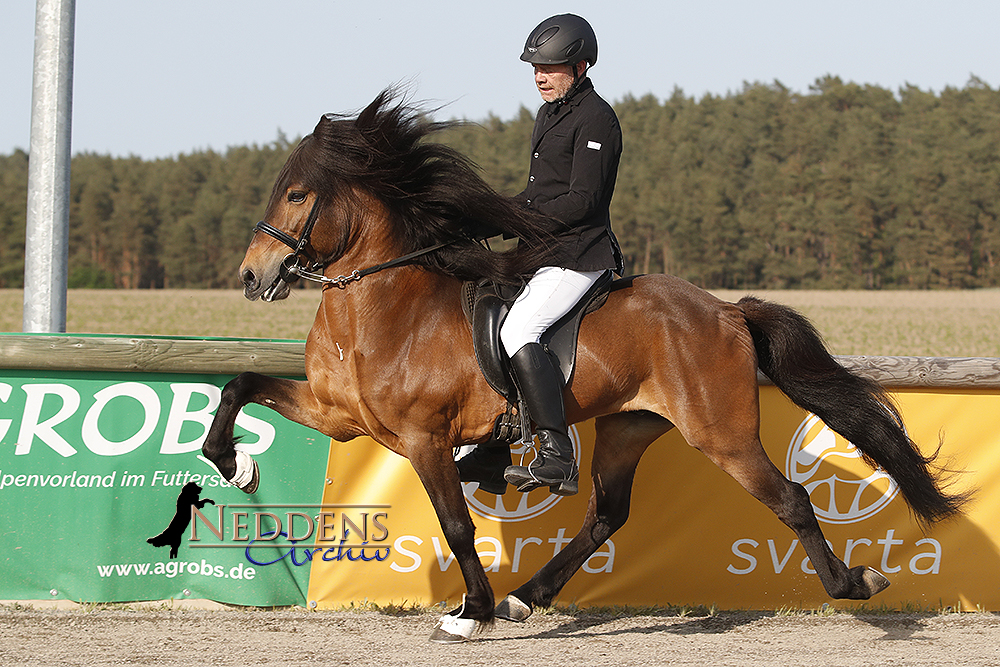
<point>386,219</point>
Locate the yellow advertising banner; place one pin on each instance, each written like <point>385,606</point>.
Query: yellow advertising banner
<point>694,536</point>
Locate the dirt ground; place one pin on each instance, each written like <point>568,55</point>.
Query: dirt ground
<point>294,636</point>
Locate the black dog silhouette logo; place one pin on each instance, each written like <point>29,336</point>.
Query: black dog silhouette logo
<point>174,533</point>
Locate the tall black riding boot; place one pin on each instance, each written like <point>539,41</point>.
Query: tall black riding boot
<point>541,385</point>
<point>486,465</point>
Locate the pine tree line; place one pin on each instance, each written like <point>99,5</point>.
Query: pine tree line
<point>846,186</point>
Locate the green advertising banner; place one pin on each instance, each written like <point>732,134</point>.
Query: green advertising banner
<point>92,465</point>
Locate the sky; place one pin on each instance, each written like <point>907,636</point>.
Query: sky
<point>155,79</point>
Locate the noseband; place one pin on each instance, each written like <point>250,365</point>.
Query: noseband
<point>292,267</point>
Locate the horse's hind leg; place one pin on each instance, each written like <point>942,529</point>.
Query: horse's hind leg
<point>738,451</point>
<point>621,440</point>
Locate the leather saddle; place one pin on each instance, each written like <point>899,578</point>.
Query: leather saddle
<point>486,304</point>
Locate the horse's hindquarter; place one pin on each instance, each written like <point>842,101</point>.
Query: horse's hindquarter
<point>665,346</point>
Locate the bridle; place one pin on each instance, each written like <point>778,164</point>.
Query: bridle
<point>293,267</point>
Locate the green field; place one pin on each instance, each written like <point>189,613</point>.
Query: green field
<point>931,324</point>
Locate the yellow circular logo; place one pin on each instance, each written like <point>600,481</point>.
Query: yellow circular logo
<point>841,486</point>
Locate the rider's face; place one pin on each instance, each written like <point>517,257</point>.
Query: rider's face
<point>553,81</point>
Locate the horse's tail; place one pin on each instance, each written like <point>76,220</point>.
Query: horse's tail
<point>792,354</point>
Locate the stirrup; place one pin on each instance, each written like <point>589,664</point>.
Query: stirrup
<point>524,480</point>
<point>569,487</point>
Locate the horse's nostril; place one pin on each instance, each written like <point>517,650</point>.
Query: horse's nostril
<point>249,279</point>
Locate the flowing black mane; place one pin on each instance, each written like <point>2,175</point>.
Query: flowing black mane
<point>432,192</point>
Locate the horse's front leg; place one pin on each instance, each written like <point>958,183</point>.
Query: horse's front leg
<point>290,398</point>
<point>436,468</point>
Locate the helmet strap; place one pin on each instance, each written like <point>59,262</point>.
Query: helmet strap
<point>572,89</point>
<point>569,93</point>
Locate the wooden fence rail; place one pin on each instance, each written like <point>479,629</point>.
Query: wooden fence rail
<point>287,358</point>
<point>153,355</point>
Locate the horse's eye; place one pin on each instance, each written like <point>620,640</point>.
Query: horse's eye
<point>296,197</point>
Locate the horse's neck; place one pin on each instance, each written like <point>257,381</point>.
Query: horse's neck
<point>384,308</point>
<point>397,302</point>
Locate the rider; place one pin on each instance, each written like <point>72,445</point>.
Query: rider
<point>576,144</point>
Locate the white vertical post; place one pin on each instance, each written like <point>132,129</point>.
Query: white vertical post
<point>46,247</point>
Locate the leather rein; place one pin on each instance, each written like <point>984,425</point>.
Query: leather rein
<point>292,266</point>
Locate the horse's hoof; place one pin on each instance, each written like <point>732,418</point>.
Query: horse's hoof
<point>875,581</point>
<point>512,609</point>
<point>247,477</point>
<point>453,630</point>
<point>254,481</point>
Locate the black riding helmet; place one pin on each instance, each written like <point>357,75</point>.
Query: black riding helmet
<point>560,40</point>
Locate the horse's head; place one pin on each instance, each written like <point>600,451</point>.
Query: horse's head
<point>336,181</point>
<point>284,241</point>
<point>288,239</point>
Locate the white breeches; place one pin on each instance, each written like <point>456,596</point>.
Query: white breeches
<point>551,293</point>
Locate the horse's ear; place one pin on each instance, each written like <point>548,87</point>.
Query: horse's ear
<point>324,121</point>
<point>321,130</point>
<point>367,117</point>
